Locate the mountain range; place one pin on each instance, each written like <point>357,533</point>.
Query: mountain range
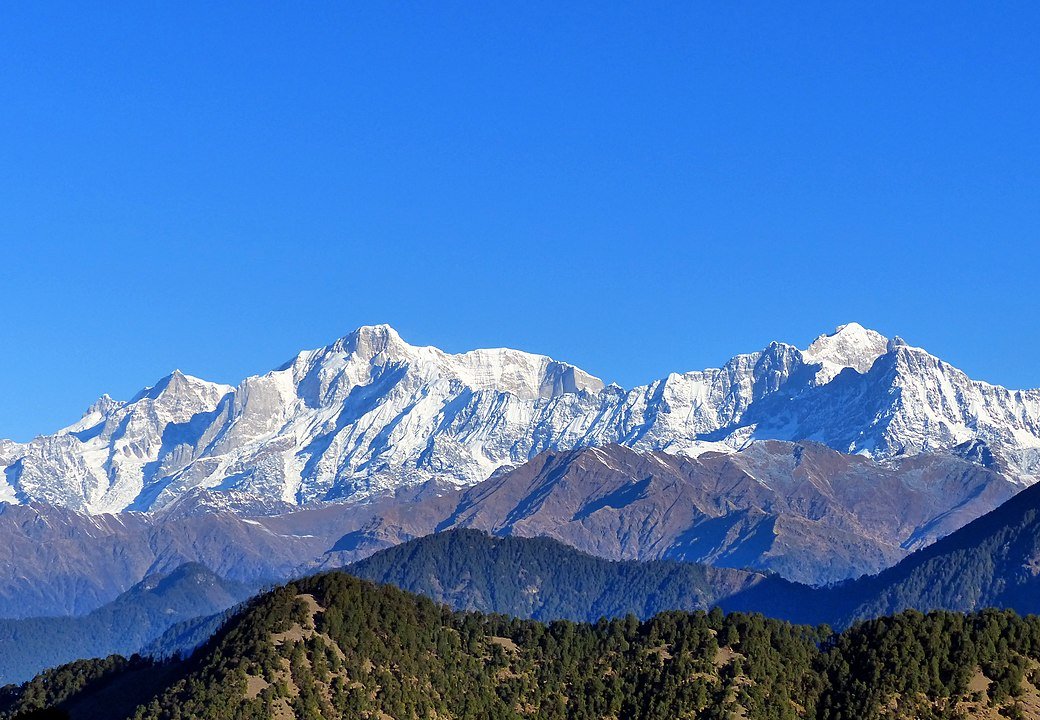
<point>992,561</point>
<point>801,510</point>
<point>370,414</point>
<point>857,477</point>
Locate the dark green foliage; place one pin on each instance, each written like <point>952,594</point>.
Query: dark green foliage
<point>104,688</point>
<point>334,646</point>
<point>546,580</point>
<point>378,650</point>
<point>930,657</point>
<point>56,686</point>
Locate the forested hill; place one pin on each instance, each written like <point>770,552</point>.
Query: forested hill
<point>334,646</point>
<point>544,579</point>
<point>124,625</point>
<point>993,561</point>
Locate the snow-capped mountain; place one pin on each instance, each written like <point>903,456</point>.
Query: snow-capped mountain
<point>99,461</point>
<point>371,413</point>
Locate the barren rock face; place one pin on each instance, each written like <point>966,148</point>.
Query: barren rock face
<point>803,510</point>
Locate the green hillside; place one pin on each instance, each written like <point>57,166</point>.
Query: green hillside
<point>547,580</point>
<point>333,646</point>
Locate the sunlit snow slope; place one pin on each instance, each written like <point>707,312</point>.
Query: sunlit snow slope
<point>371,413</point>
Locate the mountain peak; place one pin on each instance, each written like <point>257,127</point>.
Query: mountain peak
<point>895,343</point>
<point>380,331</point>
<point>850,345</point>
<point>103,405</point>
<point>96,413</point>
<point>524,374</point>
<point>371,340</point>
<point>178,383</point>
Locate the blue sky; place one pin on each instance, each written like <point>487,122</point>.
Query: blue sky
<point>634,187</point>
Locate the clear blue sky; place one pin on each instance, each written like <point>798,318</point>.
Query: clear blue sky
<point>634,187</point>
